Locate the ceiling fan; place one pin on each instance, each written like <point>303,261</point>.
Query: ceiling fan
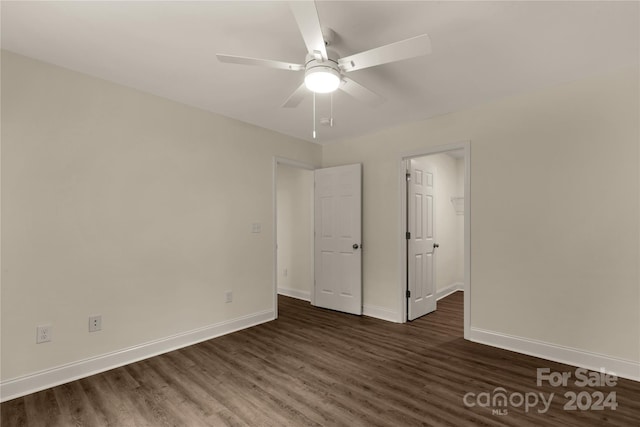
<point>323,69</point>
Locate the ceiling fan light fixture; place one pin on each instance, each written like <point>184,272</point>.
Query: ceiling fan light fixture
<point>322,79</point>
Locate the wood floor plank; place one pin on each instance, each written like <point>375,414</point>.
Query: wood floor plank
<point>74,405</point>
<point>316,367</point>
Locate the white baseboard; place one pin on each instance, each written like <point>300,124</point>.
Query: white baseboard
<point>454,287</point>
<point>557,353</point>
<point>32,383</point>
<point>381,313</point>
<point>295,293</point>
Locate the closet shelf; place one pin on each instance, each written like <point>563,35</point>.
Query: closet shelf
<point>458,205</point>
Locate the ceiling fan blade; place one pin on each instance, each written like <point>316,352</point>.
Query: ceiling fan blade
<point>306,16</point>
<point>261,62</point>
<point>296,97</point>
<point>360,92</point>
<point>405,49</point>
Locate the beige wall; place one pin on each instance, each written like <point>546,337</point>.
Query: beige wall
<point>295,230</point>
<point>555,216</point>
<point>446,220</point>
<point>120,203</point>
<point>124,204</point>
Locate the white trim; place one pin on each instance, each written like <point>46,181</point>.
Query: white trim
<point>426,151</point>
<point>27,384</point>
<point>295,293</point>
<point>467,239</point>
<point>445,292</point>
<point>557,353</point>
<point>293,163</point>
<point>381,313</point>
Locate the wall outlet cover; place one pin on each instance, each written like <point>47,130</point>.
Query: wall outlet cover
<point>43,333</point>
<point>95,323</point>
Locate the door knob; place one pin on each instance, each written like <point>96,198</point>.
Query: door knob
<point>435,245</point>
<point>355,246</point>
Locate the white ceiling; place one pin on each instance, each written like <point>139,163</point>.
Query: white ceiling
<point>481,51</point>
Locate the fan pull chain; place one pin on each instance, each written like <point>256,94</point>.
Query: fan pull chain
<point>314,115</point>
<point>331,115</point>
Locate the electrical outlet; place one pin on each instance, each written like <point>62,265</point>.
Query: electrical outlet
<point>228,296</point>
<point>95,323</point>
<point>43,333</point>
<point>256,227</point>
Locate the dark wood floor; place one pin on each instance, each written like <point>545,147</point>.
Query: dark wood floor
<point>321,368</point>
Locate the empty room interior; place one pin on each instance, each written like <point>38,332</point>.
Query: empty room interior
<point>358,213</point>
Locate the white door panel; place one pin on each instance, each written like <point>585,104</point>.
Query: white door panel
<point>420,242</point>
<point>338,260</point>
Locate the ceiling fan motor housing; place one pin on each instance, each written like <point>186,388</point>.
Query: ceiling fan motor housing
<point>322,76</point>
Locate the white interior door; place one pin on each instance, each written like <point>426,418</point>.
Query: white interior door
<point>421,295</point>
<point>338,253</point>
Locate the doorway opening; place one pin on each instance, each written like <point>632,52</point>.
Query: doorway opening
<point>293,217</point>
<point>318,235</point>
<point>435,222</point>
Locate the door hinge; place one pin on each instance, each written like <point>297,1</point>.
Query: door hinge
<point>408,293</point>
<point>408,235</point>
<point>408,176</point>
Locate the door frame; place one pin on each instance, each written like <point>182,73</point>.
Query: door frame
<point>300,165</point>
<point>402,182</point>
